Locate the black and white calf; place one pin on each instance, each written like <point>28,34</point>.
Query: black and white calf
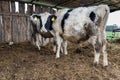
<point>42,25</point>
<point>83,24</point>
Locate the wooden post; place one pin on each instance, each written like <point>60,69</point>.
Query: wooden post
<point>30,9</point>
<point>44,8</point>
<point>0,8</point>
<point>29,12</point>
<point>52,11</point>
<point>48,9</point>
<point>37,9</point>
<point>41,9</point>
<point>15,25</point>
<point>5,6</point>
<point>13,6</point>
<point>28,29</point>
<point>6,21</point>
<point>21,7</point>
<point>7,28</point>
<point>20,38</point>
<point>0,29</point>
<point>22,29</point>
<point>22,22</point>
<point>12,11</point>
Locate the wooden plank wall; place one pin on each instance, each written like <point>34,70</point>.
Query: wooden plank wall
<point>16,26</point>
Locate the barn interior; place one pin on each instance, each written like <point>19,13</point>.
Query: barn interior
<point>113,4</point>
<point>20,60</point>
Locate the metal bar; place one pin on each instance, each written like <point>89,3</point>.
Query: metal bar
<point>93,3</point>
<point>97,2</point>
<point>114,4</point>
<point>41,3</point>
<point>14,14</point>
<point>63,3</point>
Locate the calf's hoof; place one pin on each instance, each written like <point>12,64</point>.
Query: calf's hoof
<point>57,57</point>
<point>105,65</point>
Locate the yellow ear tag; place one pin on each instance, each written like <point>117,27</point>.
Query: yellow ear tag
<point>53,19</point>
<point>35,19</point>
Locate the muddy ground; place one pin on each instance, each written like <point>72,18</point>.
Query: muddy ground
<point>25,62</point>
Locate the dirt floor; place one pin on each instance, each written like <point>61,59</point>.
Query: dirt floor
<point>25,62</point>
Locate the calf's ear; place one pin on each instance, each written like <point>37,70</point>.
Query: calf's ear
<point>53,18</point>
<point>35,19</point>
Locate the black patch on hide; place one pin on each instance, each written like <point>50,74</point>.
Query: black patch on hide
<point>66,15</point>
<point>48,24</point>
<point>92,16</point>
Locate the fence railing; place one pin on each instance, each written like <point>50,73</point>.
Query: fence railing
<point>14,20</point>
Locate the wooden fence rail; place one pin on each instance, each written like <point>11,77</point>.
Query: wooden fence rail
<point>16,26</point>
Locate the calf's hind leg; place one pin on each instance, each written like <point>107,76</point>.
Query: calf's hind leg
<point>100,47</point>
